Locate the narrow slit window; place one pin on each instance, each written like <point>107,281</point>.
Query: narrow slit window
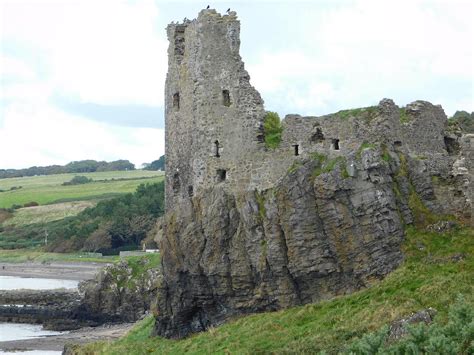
<point>216,149</point>
<point>176,183</point>
<point>226,97</point>
<point>176,101</point>
<point>296,147</point>
<point>190,191</point>
<point>335,144</point>
<point>221,175</point>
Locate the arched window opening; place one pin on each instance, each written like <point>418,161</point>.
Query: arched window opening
<point>318,136</point>
<point>335,144</point>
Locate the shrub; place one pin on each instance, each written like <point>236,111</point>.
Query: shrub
<point>454,337</point>
<point>78,180</point>
<point>31,204</point>
<point>272,130</point>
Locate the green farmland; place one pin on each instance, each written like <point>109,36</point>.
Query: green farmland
<point>48,189</point>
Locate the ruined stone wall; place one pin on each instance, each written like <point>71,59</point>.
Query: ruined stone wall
<point>249,228</point>
<point>214,120</point>
<point>219,114</point>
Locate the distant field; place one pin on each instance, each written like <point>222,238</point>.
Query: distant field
<point>47,213</point>
<point>22,256</point>
<point>48,189</point>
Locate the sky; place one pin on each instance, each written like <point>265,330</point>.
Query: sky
<point>84,79</point>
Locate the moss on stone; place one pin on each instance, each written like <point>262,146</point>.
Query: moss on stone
<point>329,165</point>
<point>404,117</point>
<point>385,153</point>
<point>260,198</point>
<point>363,112</point>
<point>364,145</point>
<point>272,130</point>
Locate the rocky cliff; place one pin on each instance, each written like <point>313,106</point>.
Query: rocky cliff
<point>251,228</point>
<point>329,227</point>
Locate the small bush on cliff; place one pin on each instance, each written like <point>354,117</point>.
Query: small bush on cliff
<point>272,130</point>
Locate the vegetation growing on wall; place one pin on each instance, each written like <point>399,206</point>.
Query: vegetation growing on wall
<point>364,112</point>
<point>272,130</point>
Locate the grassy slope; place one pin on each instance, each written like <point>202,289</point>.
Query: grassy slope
<point>47,213</point>
<point>430,277</point>
<point>48,189</point>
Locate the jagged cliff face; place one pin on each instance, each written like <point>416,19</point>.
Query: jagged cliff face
<point>299,225</point>
<point>326,229</point>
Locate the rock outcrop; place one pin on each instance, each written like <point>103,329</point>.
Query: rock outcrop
<point>251,229</point>
<point>119,293</point>
<point>326,229</point>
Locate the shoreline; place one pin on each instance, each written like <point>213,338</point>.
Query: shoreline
<point>77,271</point>
<point>79,336</point>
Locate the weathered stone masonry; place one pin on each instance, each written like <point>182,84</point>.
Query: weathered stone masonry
<point>250,229</point>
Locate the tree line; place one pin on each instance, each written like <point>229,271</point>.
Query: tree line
<point>82,166</point>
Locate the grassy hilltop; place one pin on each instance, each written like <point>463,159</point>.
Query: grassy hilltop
<point>110,207</point>
<point>48,189</point>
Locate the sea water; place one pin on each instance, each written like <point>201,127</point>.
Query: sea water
<point>19,331</point>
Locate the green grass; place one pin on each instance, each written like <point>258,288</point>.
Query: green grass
<point>404,117</point>
<point>368,113</point>
<point>429,277</point>
<point>21,256</point>
<point>48,189</point>
<point>329,165</point>
<point>272,130</point>
<point>47,213</point>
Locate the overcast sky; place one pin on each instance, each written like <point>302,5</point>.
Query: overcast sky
<point>85,79</point>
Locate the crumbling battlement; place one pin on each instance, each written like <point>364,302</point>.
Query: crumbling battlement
<point>214,119</point>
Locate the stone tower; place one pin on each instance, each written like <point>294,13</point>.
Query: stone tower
<point>213,115</point>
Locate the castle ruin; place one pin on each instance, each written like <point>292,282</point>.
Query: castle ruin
<point>249,228</point>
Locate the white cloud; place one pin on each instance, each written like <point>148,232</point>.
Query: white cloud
<point>51,136</point>
<point>365,50</point>
<point>98,51</point>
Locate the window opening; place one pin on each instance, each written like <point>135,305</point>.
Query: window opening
<point>216,149</point>
<point>176,101</point>
<point>335,144</point>
<point>318,137</point>
<point>296,146</point>
<point>221,175</point>
<point>226,97</point>
<point>176,182</point>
